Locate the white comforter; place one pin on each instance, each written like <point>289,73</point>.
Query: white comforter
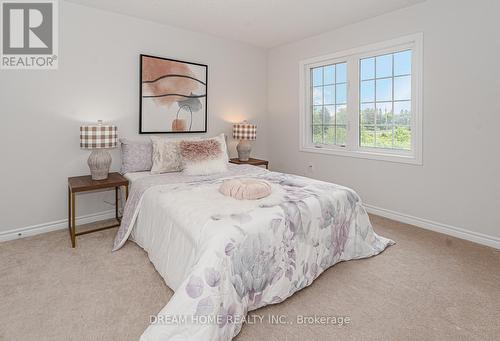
<point>225,257</point>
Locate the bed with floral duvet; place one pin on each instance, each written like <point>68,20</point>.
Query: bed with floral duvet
<point>225,257</point>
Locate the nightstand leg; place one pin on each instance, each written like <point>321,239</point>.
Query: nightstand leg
<point>73,221</point>
<point>116,203</point>
<point>126,192</point>
<point>69,214</point>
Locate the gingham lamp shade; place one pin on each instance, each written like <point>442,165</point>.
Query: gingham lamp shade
<point>98,136</point>
<point>244,131</point>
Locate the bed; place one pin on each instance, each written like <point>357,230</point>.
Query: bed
<point>225,257</point>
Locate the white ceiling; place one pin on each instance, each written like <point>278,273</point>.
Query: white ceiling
<point>264,23</point>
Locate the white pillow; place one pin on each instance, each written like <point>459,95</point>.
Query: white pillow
<point>166,155</point>
<point>203,157</point>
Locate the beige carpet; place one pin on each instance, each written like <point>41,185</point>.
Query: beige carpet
<point>426,287</point>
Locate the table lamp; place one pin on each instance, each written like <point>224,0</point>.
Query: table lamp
<point>244,132</point>
<point>98,138</point>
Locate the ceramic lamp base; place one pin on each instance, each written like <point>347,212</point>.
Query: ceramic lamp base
<point>99,163</point>
<point>244,148</point>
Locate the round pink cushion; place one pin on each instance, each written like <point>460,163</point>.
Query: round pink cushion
<point>245,189</point>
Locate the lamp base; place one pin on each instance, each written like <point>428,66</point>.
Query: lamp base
<point>244,148</point>
<point>99,162</point>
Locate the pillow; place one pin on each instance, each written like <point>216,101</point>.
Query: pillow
<point>166,155</point>
<point>245,189</point>
<point>203,157</point>
<point>136,156</point>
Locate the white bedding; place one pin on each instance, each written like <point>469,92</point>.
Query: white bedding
<point>224,257</point>
<point>159,228</point>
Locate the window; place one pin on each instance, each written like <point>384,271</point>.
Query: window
<point>364,102</point>
<point>329,114</point>
<point>385,101</point>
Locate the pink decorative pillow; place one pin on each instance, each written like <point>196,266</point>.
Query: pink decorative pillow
<point>245,189</point>
<point>203,157</point>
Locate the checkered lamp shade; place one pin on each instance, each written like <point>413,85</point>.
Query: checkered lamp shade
<point>244,131</point>
<point>98,136</point>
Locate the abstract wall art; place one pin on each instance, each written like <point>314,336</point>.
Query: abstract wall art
<point>173,96</point>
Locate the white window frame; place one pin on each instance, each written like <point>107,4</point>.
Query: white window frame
<point>352,57</point>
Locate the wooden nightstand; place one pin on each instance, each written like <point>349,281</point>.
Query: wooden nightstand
<point>253,162</point>
<point>85,183</point>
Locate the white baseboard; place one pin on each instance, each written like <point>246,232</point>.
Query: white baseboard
<point>435,226</point>
<point>53,226</point>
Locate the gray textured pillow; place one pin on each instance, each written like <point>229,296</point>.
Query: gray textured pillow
<point>137,156</point>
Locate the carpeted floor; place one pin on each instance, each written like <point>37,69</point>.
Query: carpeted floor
<point>426,287</point>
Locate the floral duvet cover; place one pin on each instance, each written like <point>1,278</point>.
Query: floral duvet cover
<point>248,254</point>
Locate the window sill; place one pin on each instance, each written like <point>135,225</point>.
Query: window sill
<point>362,154</point>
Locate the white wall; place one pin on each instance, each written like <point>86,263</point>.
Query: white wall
<point>458,183</point>
<point>98,78</point>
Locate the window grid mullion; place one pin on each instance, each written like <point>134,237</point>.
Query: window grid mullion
<point>392,102</point>
<point>360,128</point>
<point>376,107</point>
<point>352,107</point>
<point>386,77</point>
<point>323,105</point>
<point>335,122</point>
<point>312,102</point>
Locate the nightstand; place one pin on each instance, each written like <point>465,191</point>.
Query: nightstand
<point>79,184</point>
<point>253,162</point>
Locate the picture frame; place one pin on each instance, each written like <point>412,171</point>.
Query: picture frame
<point>173,96</point>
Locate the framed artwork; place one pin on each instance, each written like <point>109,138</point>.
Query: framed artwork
<point>173,96</point>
